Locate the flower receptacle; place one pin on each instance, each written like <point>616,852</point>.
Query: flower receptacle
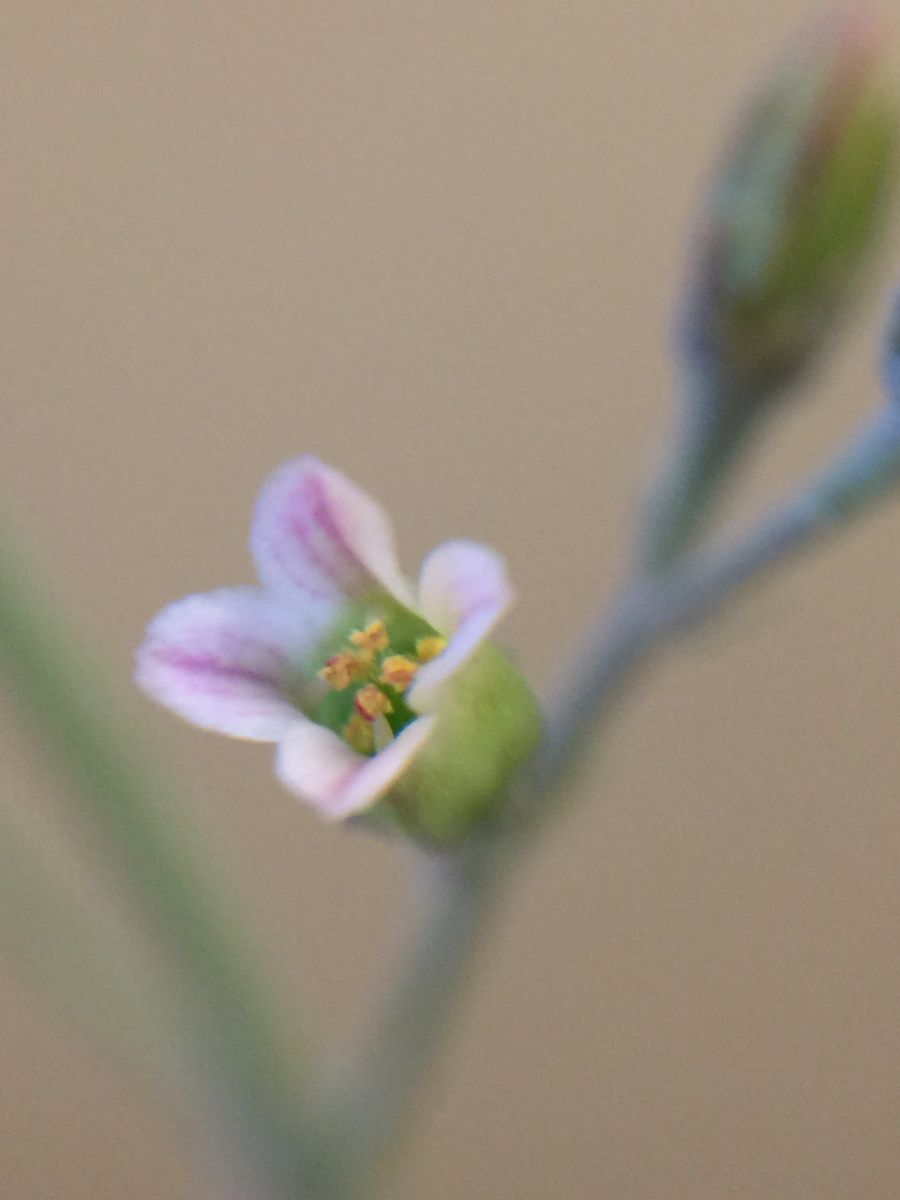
<point>488,725</point>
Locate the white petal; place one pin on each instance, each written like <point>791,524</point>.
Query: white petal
<point>323,770</point>
<point>316,532</point>
<point>463,593</point>
<point>222,660</point>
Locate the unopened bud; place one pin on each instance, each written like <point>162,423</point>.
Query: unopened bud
<point>795,211</point>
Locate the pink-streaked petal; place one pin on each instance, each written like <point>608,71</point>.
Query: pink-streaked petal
<point>222,660</point>
<point>463,593</point>
<point>459,579</point>
<point>323,770</point>
<point>316,532</point>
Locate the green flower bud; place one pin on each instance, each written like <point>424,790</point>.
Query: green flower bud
<point>794,212</point>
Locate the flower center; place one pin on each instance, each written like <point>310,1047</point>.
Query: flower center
<point>370,671</point>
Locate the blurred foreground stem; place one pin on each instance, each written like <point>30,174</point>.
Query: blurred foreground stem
<point>79,957</point>
<point>251,1090</point>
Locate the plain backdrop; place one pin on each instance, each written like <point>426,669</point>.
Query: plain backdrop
<point>439,245</point>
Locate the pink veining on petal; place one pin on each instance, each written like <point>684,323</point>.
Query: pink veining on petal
<point>222,659</point>
<point>323,770</point>
<point>232,660</point>
<point>463,592</point>
<point>316,532</point>
<point>460,578</point>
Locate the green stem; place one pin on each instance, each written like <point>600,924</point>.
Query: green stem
<point>452,894</point>
<point>711,438</point>
<point>652,613</point>
<point>251,1083</point>
<point>70,948</point>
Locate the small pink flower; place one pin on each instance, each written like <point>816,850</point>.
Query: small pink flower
<point>336,657</point>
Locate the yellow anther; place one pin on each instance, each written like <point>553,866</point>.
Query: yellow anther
<point>370,701</point>
<point>341,670</point>
<point>358,732</point>
<point>428,648</point>
<point>373,638</point>
<point>399,671</point>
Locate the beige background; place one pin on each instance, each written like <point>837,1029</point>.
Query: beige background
<point>438,245</point>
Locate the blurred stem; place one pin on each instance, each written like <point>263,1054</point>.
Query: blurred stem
<point>80,960</point>
<point>653,612</point>
<point>451,894</point>
<point>713,433</point>
<point>248,1066</point>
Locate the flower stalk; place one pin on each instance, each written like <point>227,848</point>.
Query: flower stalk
<point>451,900</point>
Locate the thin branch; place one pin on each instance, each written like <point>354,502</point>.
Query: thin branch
<point>651,613</point>
<point>451,897</point>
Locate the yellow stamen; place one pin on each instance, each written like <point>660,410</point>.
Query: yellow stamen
<point>428,648</point>
<point>370,701</point>
<point>373,638</point>
<point>341,670</point>
<point>359,733</point>
<point>399,671</point>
